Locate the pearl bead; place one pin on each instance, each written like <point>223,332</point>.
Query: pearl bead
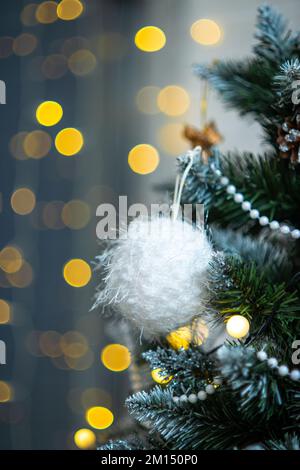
<point>202,395</point>
<point>285,229</point>
<point>218,173</point>
<point>231,189</point>
<point>224,181</point>
<point>295,374</point>
<point>274,225</point>
<point>238,197</point>
<point>183,398</point>
<point>254,214</point>
<point>210,389</point>
<point>246,206</point>
<point>262,355</point>
<point>283,370</point>
<point>295,233</point>
<point>272,362</point>
<point>192,398</point>
<point>263,220</point>
<point>175,399</point>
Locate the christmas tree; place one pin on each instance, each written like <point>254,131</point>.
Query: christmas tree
<point>241,275</point>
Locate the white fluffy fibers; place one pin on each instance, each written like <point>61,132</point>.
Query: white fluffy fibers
<point>157,276</point>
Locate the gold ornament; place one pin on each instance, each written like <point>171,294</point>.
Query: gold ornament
<point>183,337</point>
<point>206,137</point>
<point>160,377</point>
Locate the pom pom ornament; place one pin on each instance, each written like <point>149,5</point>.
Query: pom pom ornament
<point>156,276</point>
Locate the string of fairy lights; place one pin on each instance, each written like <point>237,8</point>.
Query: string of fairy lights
<point>79,56</point>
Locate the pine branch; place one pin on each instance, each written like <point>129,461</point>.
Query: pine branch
<point>267,182</point>
<point>189,368</point>
<point>250,86</point>
<point>284,83</point>
<point>132,443</point>
<point>276,41</point>
<point>273,259</point>
<point>239,287</point>
<point>261,392</point>
<point>243,85</point>
<point>213,424</point>
<point>290,442</point>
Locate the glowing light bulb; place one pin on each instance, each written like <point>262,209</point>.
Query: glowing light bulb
<point>84,439</point>
<point>237,326</point>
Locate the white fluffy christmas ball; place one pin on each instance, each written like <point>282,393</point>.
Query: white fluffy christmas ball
<point>156,276</point>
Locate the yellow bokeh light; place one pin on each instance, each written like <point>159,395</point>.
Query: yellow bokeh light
<point>161,377</point>
<point>237,326</point>
<point>173,100</point>
<point>76,214</point>
<point>73,344</point>
<point>99,417</point>
<point>77,272</point>
<point>16,145</point>
<point>143,159</point>
<point>5,312</point>
<point>116,357</point>
<point>49,342</point>
<point>85,439</point>
<point>37,144</point>
<point>69,141</point>
<point>55,66</point>
<point>69,9</point>
<point>22,278</point>
<point>24,44</point>
<point>11,259</point>
<point>206,32</point>
<point>146,100</point>
<point>23,201</point>
<point>46,12</point>
<point>150,39</point>
<point>171,139</point>
<point>82,62</point>
<point>5,392</point>
<point>28,15</point>
<point>49,113</point>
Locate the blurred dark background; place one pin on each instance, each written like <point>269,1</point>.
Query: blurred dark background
<point>108,89</point>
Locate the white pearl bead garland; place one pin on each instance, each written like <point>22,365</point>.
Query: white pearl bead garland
<point>201,395</point>
<point>282,370</point>
<point>253,213</point>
